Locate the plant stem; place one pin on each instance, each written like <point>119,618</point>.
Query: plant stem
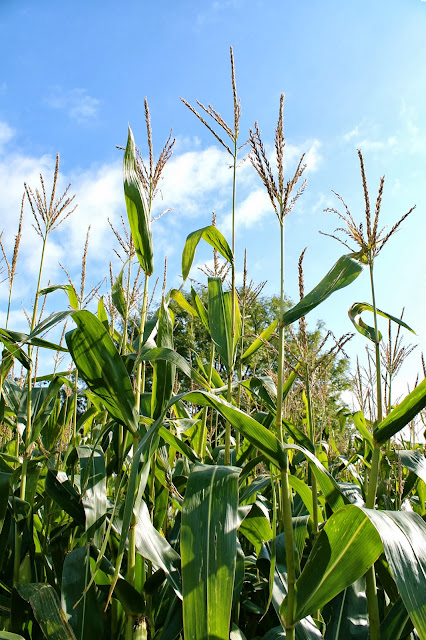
<point>231,364</point>
<point>286,515</point>
<point>372,603</point>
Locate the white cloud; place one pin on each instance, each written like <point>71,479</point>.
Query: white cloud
<point>377,145</point>
<point>6,134</point>
<point>75,102</point>
<point>353,133</point>
<point>249,212</point>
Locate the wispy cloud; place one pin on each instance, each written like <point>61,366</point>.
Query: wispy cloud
<point>6,134</point>
<point>76,103</point>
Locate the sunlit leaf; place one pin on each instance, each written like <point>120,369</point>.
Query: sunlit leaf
<point>137,208</point>
<point>214,238</point>
<point>346,269</point>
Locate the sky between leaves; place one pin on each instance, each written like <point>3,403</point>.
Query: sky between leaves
<point>354,74</point>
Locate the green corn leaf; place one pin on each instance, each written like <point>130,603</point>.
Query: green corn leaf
<point>8,635</point>
<point>290,381</point>
<point>395,622</point>
<point>402,414</point>
<point>50,322</point>
<point>81,607</point>
<point>346,615</point>
<point>346,269</point>
<point>4,496</point>
<point>345,548</point>
<point>102,314</point>
<point>260,341</point>
<point>256,526</point>
<point>68,288</point>
<point>177,295</point>
<point>354,314</point>
<point>208,550</point>
<point>214,238</point>
<point>220,321</point>
<point>201,310</point>
<point>255,432</point>
<point>117,294</point>
<point>13,350</point>
<point>163,378</point>
<point>25,339</point>
<point>403,536</point>
<point>306,628</point>
<point>47,610</point>
<point>414,461</point>
<point>305,493</point>
<point>100,364</point>
<point>60,489</point>
<point>93,488</point>
<point>178,444</point>
<point>137,209</point>
<point>298,435</point>
<point>155,548</point>
<point>328,485</point>
<point>361,425</point>
<point>174,358</point>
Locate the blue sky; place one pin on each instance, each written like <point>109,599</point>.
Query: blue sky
<point>354,74</point>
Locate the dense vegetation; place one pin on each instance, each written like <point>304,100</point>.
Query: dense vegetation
<point>196,475</point>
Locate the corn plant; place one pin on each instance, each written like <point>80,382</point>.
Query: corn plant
<point>135,506</point>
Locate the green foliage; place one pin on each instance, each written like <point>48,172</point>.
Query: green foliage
<point>191,478</point>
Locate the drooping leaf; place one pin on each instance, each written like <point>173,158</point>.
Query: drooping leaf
<point>214,238</point>
<point>364,329</point>
<point>346,269</point>
<point>100,364</point>
<point>47,610</point>
<point>255,432</point>
<point>208,550</point>
<point>60,489</point>
<point>256,526</point>
<point>69,290</point>
<point>403,413</point>
<point>155,548</point>
<point>174,358</point>
<point>137,208</point>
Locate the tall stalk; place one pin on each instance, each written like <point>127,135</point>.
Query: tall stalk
<point>282,202</point>
<point>370,240</point>
<point>48,215</point>
<point>232,149</point>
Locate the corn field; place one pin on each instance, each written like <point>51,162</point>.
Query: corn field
<point>133,509</point>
